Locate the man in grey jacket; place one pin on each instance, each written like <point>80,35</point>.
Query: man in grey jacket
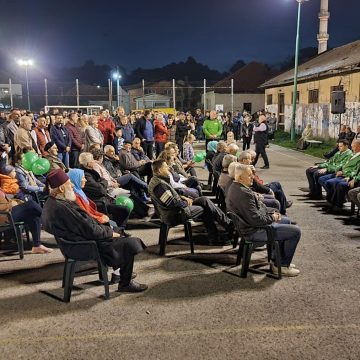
<point>242,201</point>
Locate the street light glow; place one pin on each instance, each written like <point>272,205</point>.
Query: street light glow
<point>116,76</point>
<point>25,62</point>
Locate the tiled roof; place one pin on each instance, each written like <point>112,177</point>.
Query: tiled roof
<point>247,79</point>
<point>332,62</point>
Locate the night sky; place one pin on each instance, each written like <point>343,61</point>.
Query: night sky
<point>154,33</point>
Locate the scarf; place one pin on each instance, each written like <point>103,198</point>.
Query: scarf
<point>76,176</point>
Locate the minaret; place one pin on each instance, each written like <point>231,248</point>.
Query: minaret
<point>323,35</point>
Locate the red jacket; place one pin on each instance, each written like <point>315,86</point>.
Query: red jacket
<point>107,128</point>
<point>41,140</point>
<point>161,131</point>
<point>75,134</point>
<point>90,208</point>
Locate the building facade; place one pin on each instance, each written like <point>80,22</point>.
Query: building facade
<point>336,69</point>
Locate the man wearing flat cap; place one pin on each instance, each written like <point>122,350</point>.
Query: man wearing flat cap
<point>51,151</point>
<point>62,217</point>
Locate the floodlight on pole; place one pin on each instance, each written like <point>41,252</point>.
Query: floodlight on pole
<point>296,70</point>
<point>117,76</point>
<point>26,63</point>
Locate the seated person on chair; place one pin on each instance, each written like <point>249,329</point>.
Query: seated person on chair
<point>274,186</point>
<point>28,212</point>
<point>337,185</point>
<point>169,203</point>
<point>242,201</point>
<point>225,178</point>
<point>128,162</point>
<point>63,218</point>
<point>333,165</point>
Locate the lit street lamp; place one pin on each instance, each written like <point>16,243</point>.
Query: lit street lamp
<point>117,77</point>
<point>26,63</point>
<point>296,71</point>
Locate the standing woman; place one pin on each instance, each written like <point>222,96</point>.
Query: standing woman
<point>93,135</point>
<point>247,132</point>
<point>261,141</point>
<point>161,134</point>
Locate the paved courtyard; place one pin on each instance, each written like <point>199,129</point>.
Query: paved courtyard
<point>195,307</point>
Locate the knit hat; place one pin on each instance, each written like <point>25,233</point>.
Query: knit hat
<point>49,145</point>
<point>56,178</point>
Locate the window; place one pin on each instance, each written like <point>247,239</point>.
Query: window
<point>149,91</point>
<point>247,107</point>
<point>269,100</point>
<point>167,92</point>
<point>297,96</point>
<point>313,96</point>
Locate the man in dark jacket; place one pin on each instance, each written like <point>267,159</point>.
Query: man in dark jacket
<point>60,136</point>
<point>63,218</point>
<point>77,143</point>
<point>129,163</point>
<point>241,200</point>
<point>145,132</point>
<point>169,203</point>
<point>182,129</point>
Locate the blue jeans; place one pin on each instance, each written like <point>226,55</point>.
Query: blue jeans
<point>323,179</point>
<point>29,212</point>
<point>132,183</point>
<point>288,236</point>
<point>64,157</point>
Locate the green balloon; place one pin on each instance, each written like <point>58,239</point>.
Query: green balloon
<point>199,157</point>
<point>41,166</point>
<point>28,159</point>
<point>125,201</point>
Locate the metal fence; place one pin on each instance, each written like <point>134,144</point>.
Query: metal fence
<point>175,94</point>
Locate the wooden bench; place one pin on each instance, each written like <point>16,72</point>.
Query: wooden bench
<point>311,142</point>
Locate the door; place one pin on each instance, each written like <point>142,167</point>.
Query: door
<point>281,111</point>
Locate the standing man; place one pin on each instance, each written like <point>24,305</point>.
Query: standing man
<point>23,138</point>
<point>60,135</point>
<point>41,134</point>
<point>107,127</point>
<point>199,119</point>
<point>77,143</point>
<point>212,128</point>
<point>261,141</point>
<point>145,132</point>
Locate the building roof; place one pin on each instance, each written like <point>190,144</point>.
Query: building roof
<point>247,79</point>
<point>332,62</point>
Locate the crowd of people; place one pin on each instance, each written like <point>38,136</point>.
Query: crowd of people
<point>148,157</point>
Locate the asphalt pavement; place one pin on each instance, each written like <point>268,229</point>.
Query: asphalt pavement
<point>196,306</point>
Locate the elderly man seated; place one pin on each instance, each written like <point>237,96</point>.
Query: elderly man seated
<point>129,163</point>
<point>242,201</point>
<point>218,157</point>
<point>169,203</point>
<point>224,178</point>
<point>274,186</point>
<point>63,218</point>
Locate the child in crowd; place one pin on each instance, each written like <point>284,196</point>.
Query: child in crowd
<point>118,141</point>
<point>230,138</point>
<point>188,150</point>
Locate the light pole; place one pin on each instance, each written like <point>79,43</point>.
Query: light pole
<point>296,71</point>
<point>117,77</point>
<point>26,63</point>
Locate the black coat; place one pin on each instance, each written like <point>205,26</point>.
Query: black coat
<point>182,129</point>
<point>67,220</point>
<point>96,186</point>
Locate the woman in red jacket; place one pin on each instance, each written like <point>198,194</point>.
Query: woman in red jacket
<point>160,134</point>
